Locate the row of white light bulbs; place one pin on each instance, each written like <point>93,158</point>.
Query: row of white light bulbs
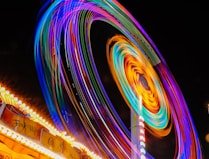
<point>23,140</point>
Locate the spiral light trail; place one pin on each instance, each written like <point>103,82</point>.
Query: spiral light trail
<point>76,95</point>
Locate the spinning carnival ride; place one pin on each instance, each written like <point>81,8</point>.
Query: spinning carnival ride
<point>87,90</point>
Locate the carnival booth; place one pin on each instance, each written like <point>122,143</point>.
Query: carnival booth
<point>24,134</point>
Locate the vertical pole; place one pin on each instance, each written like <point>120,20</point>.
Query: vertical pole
<point>138,133</point>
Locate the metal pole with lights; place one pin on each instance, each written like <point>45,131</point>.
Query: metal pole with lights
<point>138,133</point>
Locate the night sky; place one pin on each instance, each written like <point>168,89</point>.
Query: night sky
<point>179,30</point>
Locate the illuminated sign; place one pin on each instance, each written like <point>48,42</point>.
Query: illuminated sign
<point>20,122</point>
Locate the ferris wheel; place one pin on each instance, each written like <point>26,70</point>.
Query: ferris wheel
<point>97,66</point>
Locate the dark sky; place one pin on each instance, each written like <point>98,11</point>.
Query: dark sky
<point>180,31</point>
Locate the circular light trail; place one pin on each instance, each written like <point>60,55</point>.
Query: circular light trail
<point>76,94</point>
